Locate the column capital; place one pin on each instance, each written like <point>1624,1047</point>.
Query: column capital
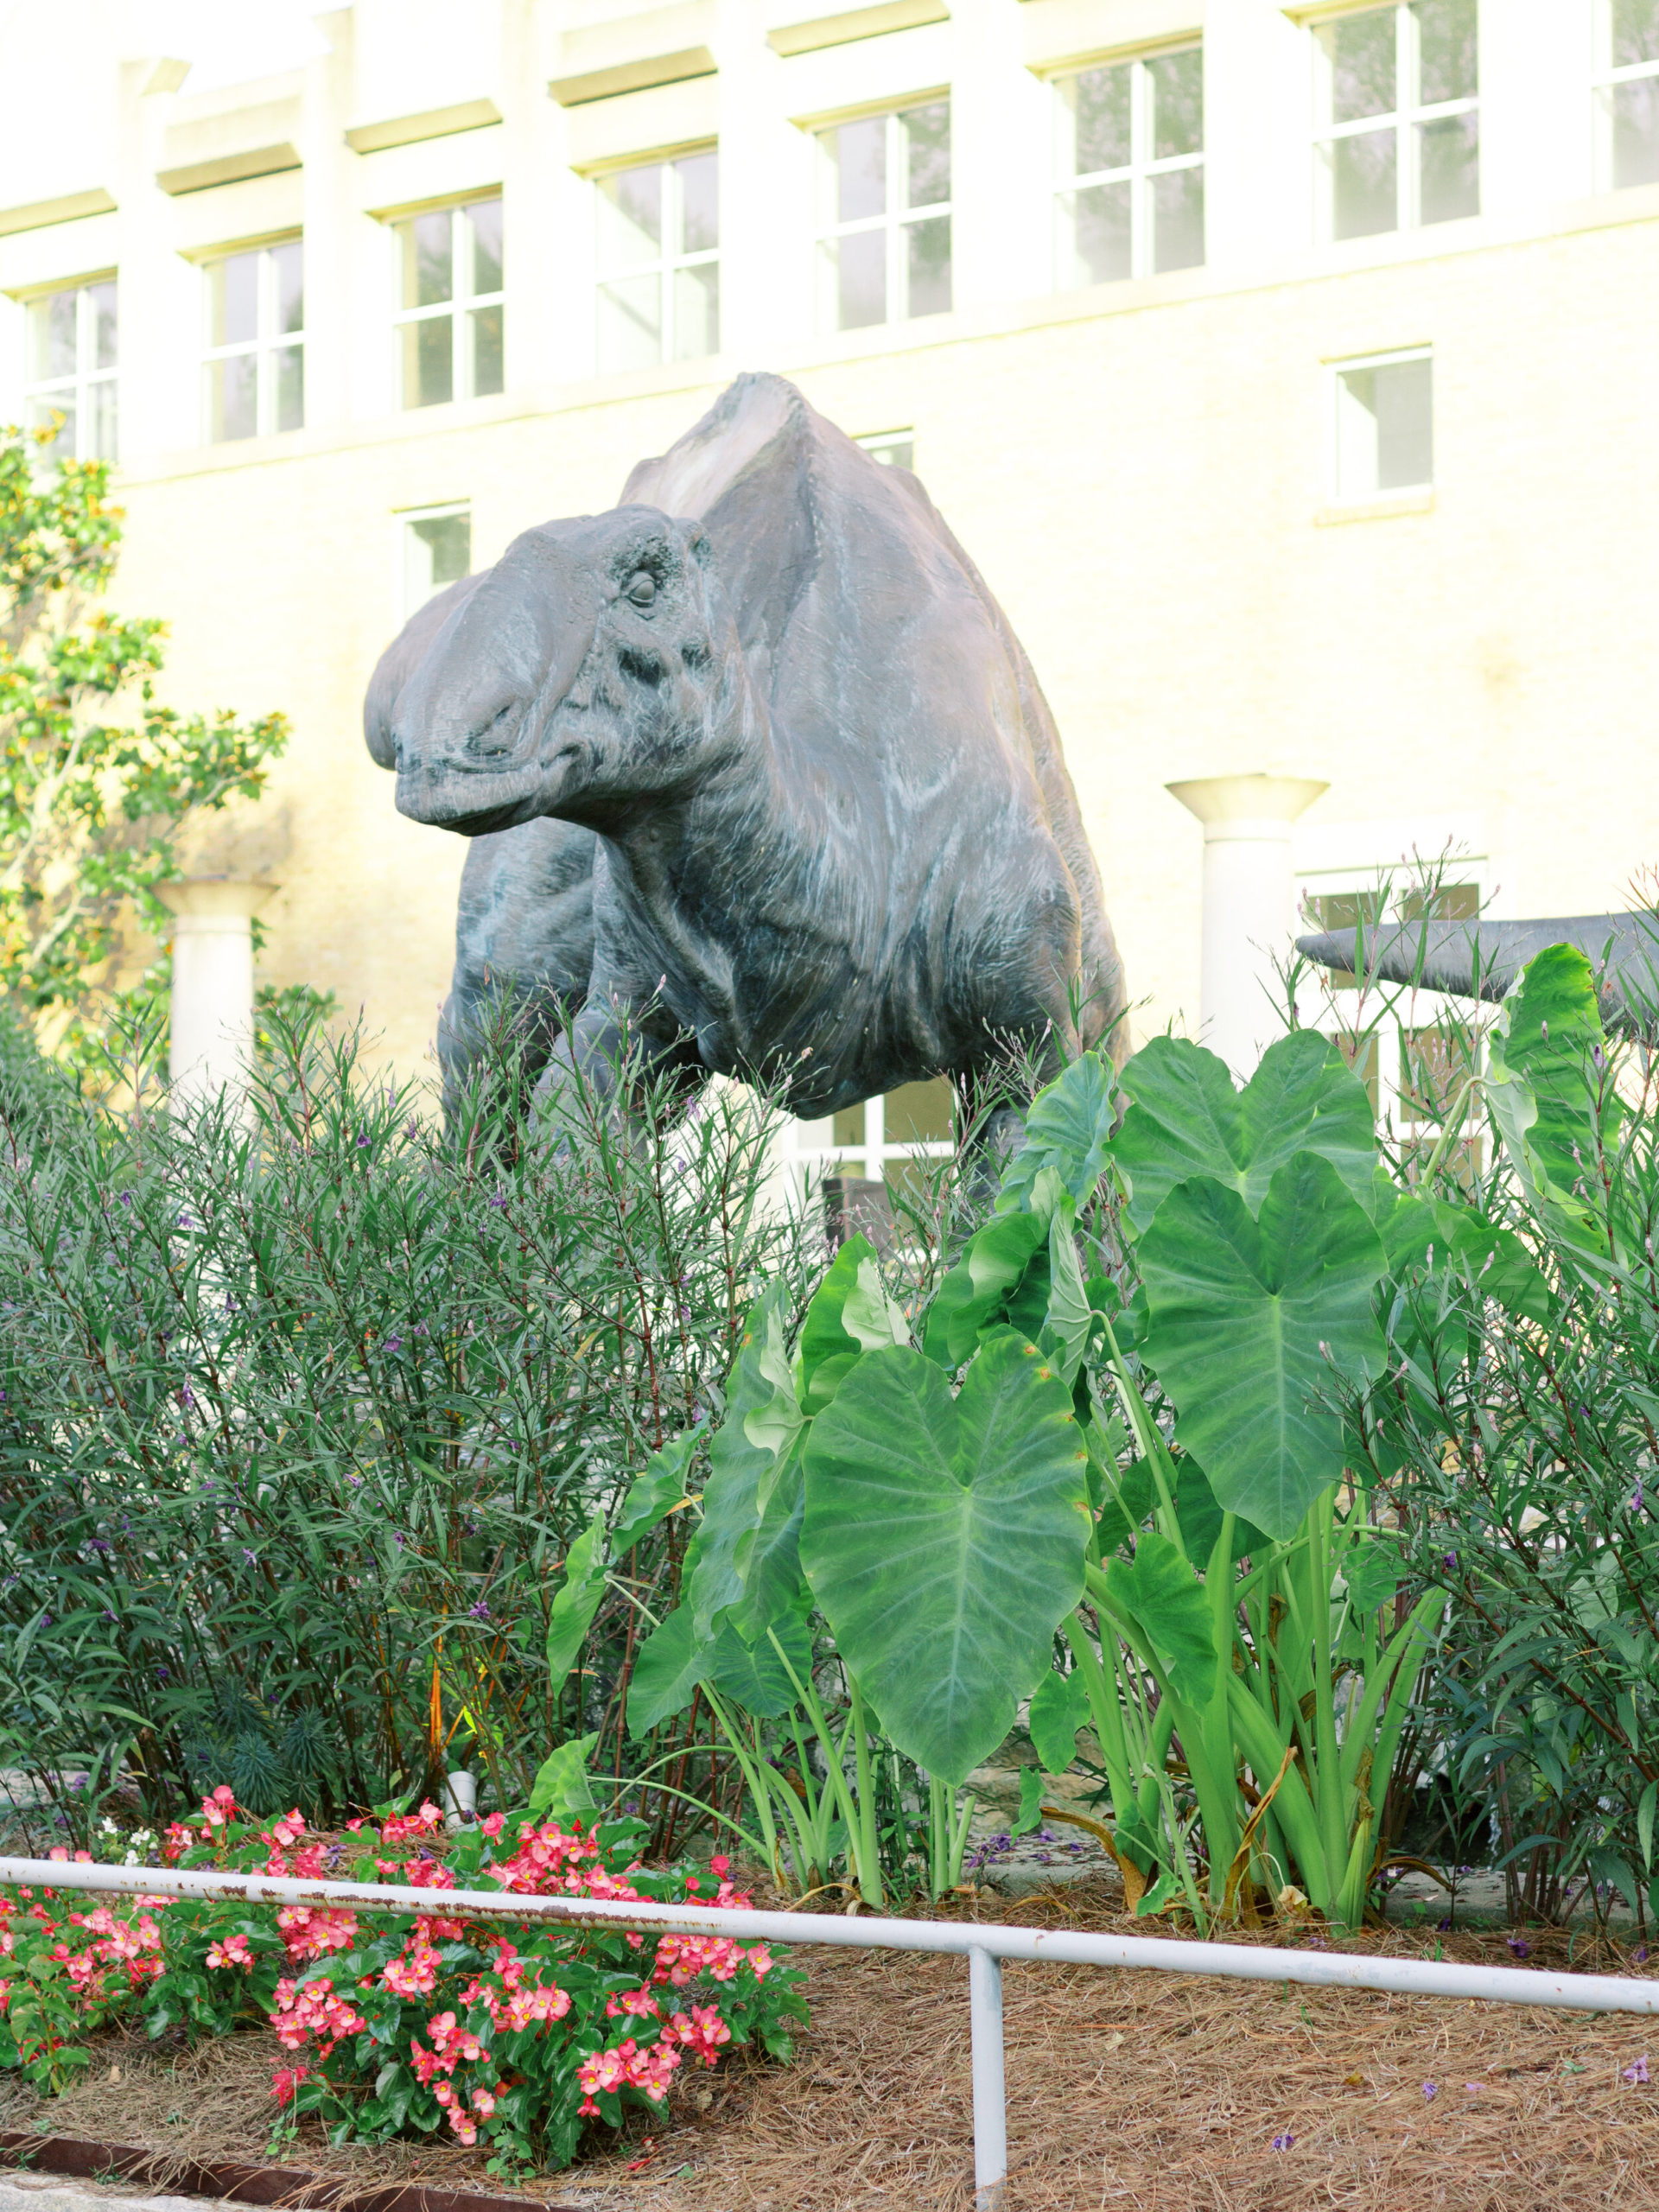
<point>1247,806</point>
<point>207,902</point>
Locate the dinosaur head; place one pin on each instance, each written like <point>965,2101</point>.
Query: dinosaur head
<point>594,672</point>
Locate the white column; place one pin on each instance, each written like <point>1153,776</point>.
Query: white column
<point>1249,905</point>
<point>213,980</point>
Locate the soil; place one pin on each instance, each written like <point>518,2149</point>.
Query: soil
<point>1147,2091</point>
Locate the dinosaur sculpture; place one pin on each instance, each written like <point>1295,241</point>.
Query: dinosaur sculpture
<point>754,759</point>
<point>1481,959</point>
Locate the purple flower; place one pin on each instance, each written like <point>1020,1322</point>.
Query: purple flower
<point>362,1140</point>
<point>481,1611</point>
<point>1637,2069</point>
<point>187,1396</point>
<point>1283,2142</point>
<point>46,1620</point>
<point>394,1344</point>
<point>126,1198</point>
<point>1641,1956</point>
<point>251,1557</point>
<point>1520,1950</point>
<point>1430,2091</point>
<point>1450,1559</point>
<point>499,1198</point>
<point>97,1544</point>
<point>185,1221</point>
<point>163,1674</point>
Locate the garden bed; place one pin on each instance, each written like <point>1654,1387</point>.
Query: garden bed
<point>1133,2089</point>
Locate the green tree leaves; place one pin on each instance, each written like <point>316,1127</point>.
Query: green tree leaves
<point>1249,1323</point>
<point>943,1539</point>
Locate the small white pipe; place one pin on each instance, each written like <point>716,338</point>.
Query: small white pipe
<point>990,2107</point>
<point>1580,1992</point>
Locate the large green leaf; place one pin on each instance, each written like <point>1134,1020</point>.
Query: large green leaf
<point>1187,1120</point>
<point>1059,1707</point>
<point>1251,1322</point>
<point>1067,1129</point>
<point>577,1601</point>
<point>758,1680</point>
<point>1160,1592</point>
<point>655,1493</point>
<point>945,1539</point>
<point>743,1453</point>
<point>1004,1268</point>
<point>768,1555</point>
<point>561,1787</point>
<point>667,1668</point>
<point>1547,1056</point>
<point>850,1314</point>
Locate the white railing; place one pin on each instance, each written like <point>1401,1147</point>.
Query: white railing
<point>986,1947</point>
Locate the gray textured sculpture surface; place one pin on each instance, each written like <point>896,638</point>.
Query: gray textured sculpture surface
<point>1481,959</point>
<point>756,757</point>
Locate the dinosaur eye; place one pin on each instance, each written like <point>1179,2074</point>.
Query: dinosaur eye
<point>642,589</point>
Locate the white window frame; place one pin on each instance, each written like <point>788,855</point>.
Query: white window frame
<point>1603,82</point>
<point>403,519</point>
<point>1404,116</point>
<point>668,262</point>
<point>87,379</point>
<point>894,220</point>
<point>1335,370</point>
<point>1319,1008</point>
<point>887,447</point>
<point>266,341</point>
<point>458,307</point>
<point>1140,169</point>
<point>816,1148</point>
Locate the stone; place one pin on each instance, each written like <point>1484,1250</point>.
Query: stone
<point>757,770</point>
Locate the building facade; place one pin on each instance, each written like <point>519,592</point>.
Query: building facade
<point>1292,373</point>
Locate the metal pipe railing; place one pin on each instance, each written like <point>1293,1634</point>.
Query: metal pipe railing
<point>985,1947</point>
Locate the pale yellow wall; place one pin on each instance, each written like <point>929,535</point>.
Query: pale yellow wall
<point>1138,469</point>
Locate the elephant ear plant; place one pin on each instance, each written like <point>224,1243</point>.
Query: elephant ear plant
<point>958,1510</point>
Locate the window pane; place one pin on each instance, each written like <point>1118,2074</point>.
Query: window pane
<point>429,362</point>
<point>927,154</point>
<point>1362,79</point>
<point>1434,1069</point>
<point>1178,220</point>
<point>1452,902</point>
<point>1096,106</point>
<point>232,398</point>
<point>52,336</point>
<point>43,413</point>
<point>1405,443</point>
<point>631,217</point>
<point>920,1113</point>
<point>860,264</point>
<point>849,1125</point>
<point>426,253</point>
<point>100,444</point>
<point>487,351</point>
<point>1449,152</point>
<point>928,248</point>
<point>1636,32</point>
<point>897,452</point>
<point>1385,436</point>
<point>1446,46</point>
<point>1365,184</point>
<point>1095,234</point>
<point>233,300</point>
<point>1362,1057</point>
<point>102,297</point>
<point>483,222</point>
<point>631,324</point>
<point>288,369</point>
<point>288,279</point>
<point>699,204</point>
<point>1176,81</point>
<point>1636,132</point>
<point>438,550</point>
<point>697,311</point>
<point>858,151</point>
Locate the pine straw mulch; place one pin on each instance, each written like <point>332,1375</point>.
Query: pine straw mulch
<point>1147,2091</point>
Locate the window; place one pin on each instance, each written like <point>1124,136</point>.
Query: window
<point>71,338</point>
<point>449,320</point>
<point>1130,198</point>
<point>438,551</point>
<point>885,251</point>
<point>1628,98</point>
<point>894,448</point>
<point>255,345</point>
<point>1384,427</point>
<point>1413,1063</point>
<point>1400,141</point>
<point>658,263</point>
<point>883,1136</point>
